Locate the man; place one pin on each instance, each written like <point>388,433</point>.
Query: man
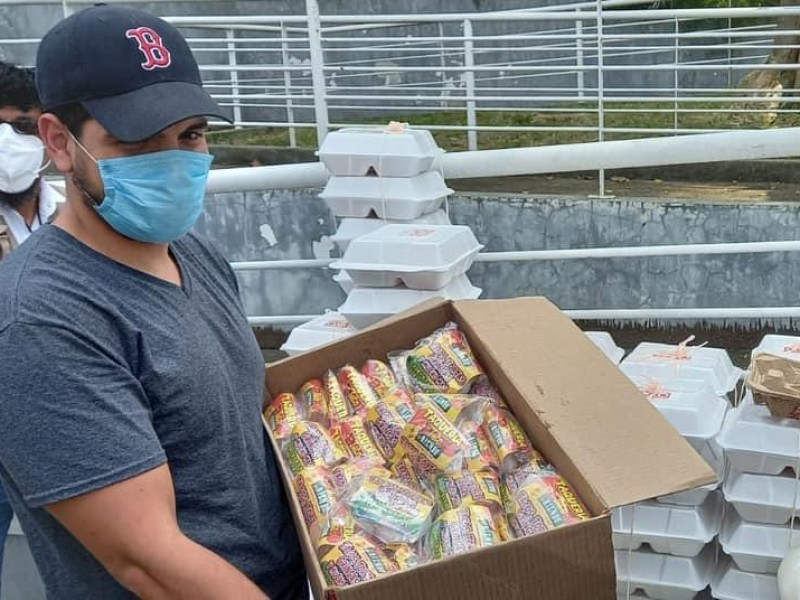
<point>135,459</point>
<point>26,200</point>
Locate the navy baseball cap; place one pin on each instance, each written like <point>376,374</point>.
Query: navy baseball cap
<point>131,71</point>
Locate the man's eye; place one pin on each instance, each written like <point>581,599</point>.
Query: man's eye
<point>195,136</point>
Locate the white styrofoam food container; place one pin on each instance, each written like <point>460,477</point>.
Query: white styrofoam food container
<point>754,442</point>
<point>677,530</point>
<point>352,227</point>
<point>389,152</point>
<point>606,343</point>
<point>401,198</point>
<point>319,331</point>
<point>421,257</point>
<point>763,498</point>
<point>693,497</point>
<point>662,576</point>
<point>786,346</point>
<point>666,363</point>
<point>731,583</point>
<point>345,281</point>
<point>366,306</point>
<point>756,547</point>
<point>690,405</point>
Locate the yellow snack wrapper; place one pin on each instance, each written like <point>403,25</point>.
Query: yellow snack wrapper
<point>468,488</point>
<point>282,413</point>
<point>442,363</point>
<point>310,445</point>
<point>508,439</point>
<point>453,405</point>
<point>379,377</point>
<point>355,560</point>
<point>403,555</point>
<point>387,419</point>
<point>461,530</point>
<point>357,441</point>
<point>403,470</point>
<point>337,404</point>
<point>430,438</point>
<point>342,475</point>
<point>484,388</point>
<point>480,454</point>
<point>356,389</point>
<point>315,493</point>
<point>316,401</point>
<point>545,502</point>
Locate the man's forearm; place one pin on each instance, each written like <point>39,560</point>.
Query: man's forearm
<point>184,569</point>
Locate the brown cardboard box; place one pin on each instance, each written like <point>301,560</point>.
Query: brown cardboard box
<point>579,411</point>
<point>775,381</point>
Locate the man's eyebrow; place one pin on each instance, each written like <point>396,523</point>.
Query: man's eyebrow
<point>199,124</point>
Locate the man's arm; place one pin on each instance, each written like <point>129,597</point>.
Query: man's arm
<point>131,528</point>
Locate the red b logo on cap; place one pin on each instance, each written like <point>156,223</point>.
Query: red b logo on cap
<point>155,53</point>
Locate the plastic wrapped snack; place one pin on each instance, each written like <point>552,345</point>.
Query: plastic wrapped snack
<point>545,502</point>
<point>503,528</point>
<point>403,470</point>
<point>282,413</point>
<point>356,389</point>
<point>461,530</point>
<point>483,387</point>
<point>355,560</point>
<point>387,419</point>
<point>403,555</point>
<point>468,488</point>
<point>315,401</point>
<point>310,445</point>
<point>480,454</point>
<point>432,443</point>
<point>344,474</point>
<point>508,439</point>
<point>332,529</point>
<point>442,362</point>
<point>456,407</point>
<point>379,377</point>
<point>514,480</point>
<point>388,509</point>
<point>337,404</point>
<point>315,493</point>
<point>355,439</point>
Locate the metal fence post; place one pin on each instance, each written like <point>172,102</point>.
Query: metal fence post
<point>469,74</point>
<point>675,79</point>
<point>317,69</point>
<point>287,85</point>
<point>601,117</point>
<point>232,62</point>
<point>579,55</point>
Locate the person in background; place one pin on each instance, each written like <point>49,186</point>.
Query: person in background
<point>26,199</point>
<point>135,458</point>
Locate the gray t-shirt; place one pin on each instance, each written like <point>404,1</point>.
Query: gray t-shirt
<point>107,372</point>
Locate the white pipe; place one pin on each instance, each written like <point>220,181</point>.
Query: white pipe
<point>624,314</point>
<point>647,152</point>
<point>277,177</point>
<point>566,254</point>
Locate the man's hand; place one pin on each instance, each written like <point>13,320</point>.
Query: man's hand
<point>131,528</point>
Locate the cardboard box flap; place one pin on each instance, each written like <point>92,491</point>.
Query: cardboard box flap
<point>615,439</point>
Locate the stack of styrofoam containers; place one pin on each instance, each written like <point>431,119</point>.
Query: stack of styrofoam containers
<point>398,266</point>
<point>397,245</point>
<point>666,548</point>
<point>763,455</point>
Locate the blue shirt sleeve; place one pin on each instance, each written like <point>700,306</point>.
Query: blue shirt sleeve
<point>74,418</point>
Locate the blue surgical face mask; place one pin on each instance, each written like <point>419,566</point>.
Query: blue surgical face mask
<point>156,197</point>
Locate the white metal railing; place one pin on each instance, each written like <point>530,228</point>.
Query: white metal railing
<point>587,70</point>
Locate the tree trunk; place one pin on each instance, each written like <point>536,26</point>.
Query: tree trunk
<point>774,85</point>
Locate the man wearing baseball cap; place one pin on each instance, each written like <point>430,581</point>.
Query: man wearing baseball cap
<point>131,385</point>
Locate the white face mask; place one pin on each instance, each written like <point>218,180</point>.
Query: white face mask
<point>21,159</point>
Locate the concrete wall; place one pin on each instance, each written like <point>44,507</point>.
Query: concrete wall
<point>295,224</point>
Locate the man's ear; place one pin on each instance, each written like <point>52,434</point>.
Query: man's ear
<point>56,140</point>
